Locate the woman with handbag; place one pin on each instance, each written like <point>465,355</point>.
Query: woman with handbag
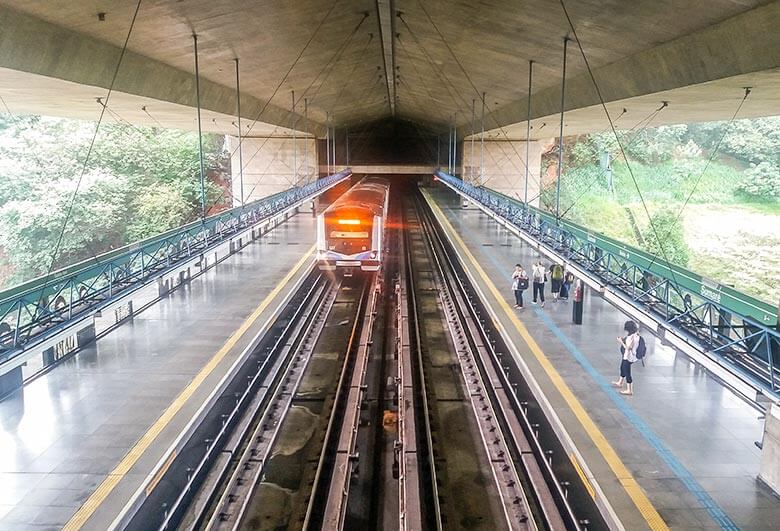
<point>519,284</point>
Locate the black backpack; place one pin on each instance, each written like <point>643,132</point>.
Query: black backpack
<point>641,349</point>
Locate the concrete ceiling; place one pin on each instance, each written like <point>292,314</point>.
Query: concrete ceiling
<point>357,61</point>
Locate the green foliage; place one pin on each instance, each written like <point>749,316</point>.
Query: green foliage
<point>665,238</point>
<point>750,141</point>
<point>31,227</point>
<point>762,181</point>
<point>673,166</point>
<point>138,182</point>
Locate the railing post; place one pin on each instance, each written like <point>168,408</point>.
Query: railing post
<point>111,280</point>
<point>770,360</point>
<point>18,324</point>
<point>70,304</point>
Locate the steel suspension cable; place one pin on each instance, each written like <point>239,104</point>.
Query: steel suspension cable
<point>620,144</point>
<point>649,119</point>
<point>490,113</point>
<point>72,201</point>
<point>713,153</point>
<point>330,64</point>
<point>450,86</point>
<point>289,70</point>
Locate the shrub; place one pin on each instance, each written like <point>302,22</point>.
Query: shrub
<point>665,238</point>
<point>762,181</point>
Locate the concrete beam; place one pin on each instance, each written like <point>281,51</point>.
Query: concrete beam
<point>29,44</point>
<point>743,45</point>
<point>386,19</point>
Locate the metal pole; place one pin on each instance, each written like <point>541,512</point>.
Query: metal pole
<point>200,132</point>
<point>306,144</point>
<point>346,131</point>
<point>333,146</point>
<point>560,138</point>
<point>455,147</point>
<point>295,146</point>
<point>482,144</point>
<point>438,151</point>
<point>528,132</point>
<point>449,151</point>
<point>240,141</point>
<point>473,132</point>
<point>327,142</point>
<point>452,146</point>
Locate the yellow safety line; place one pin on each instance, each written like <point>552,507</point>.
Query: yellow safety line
<point>620,470</point>
<point>119,472</point>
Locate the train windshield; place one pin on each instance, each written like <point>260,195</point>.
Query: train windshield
<point>348,233</point>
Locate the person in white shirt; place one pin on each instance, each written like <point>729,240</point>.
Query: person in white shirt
<point>519,284</point>
<point>539,277</point>
<point>628,347</point>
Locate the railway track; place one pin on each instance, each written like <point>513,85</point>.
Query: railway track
<point>231,511</point>
<point>382,408</point>
<point>295,454</point>
<point>466,391</point>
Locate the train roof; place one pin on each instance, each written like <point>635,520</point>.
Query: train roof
<point>369,194</point>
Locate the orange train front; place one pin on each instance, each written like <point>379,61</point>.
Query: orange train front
<point>350,231</point>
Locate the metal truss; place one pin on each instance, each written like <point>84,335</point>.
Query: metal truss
<point>43,307</point>
<point>711,318</point>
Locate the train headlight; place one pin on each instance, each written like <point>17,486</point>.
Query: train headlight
<point>373,255</point>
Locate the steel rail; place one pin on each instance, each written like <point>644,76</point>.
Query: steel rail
<point>265,381</point>
<point>531,460</point>
<point>319,493</point>
<point>410,422</point>
<point>470,353</point>
<point>231,510</point>
<point>351,405</point>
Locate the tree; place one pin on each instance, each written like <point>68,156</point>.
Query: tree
<point>137,182</point>
<point>762,181</point>
<point>665,238</point>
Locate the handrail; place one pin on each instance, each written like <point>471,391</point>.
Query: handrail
<point>32,309</point>
<point>722,322</point>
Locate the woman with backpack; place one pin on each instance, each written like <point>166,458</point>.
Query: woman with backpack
<point>556,277</point>
<point>568,280</point>
<point>628,350</point>
<point>519,285</point>
<point>540,277</point>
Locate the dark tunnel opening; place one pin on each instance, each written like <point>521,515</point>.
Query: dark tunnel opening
<point>387,142</point>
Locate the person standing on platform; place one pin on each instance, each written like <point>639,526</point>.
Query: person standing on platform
<point>519,284</point>
<point>556,280</point>
<point>540,277</point>
<point>628,346</point>
<point>568,280</point>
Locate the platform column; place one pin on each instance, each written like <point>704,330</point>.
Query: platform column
<point>578,301</point>
<point>769,471</point>
<point>268,164</point>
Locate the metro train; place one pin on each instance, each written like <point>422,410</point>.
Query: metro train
<point>351,230</point>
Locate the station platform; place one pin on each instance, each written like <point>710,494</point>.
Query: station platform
<point>677,454</point>
<point>76,443</point>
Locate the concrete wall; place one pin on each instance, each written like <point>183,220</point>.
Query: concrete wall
<point>268,165</point>
<point>504,167</point>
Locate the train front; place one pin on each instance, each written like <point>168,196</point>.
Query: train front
<point>349,233</point>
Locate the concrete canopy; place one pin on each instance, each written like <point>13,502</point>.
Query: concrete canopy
<point>426,61</point>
